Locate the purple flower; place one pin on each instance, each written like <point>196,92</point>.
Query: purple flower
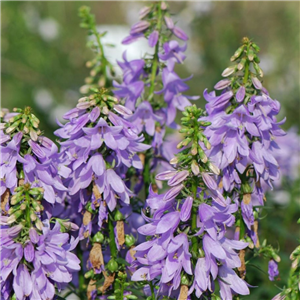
<point>172,53</point>
<point>273,269</point>
<point>230,283</point>
<point>144,117</point>
<point>130,92</point>
<point>132,70</point>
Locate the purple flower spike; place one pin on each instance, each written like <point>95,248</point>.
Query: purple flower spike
<point>240,94</point>
<point>153,38</point>
<point>186,208</point>
<point>273,269</point>
<point>256,82</point>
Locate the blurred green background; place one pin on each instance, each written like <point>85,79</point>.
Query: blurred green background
<point>43,65</point>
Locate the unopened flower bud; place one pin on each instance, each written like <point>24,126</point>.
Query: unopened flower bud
<point>194,149</point>
<point>238,53</point>
<point>129,240</point>
<point>184,280</point>
<point>112,265</point>
<point>119,216</point>
<point>178,178</point>
<point>122,110</point>
<point>144,12</point>
<point>250,55</point>
<point>222,84</point>
<point>89,274</point>
<point>105,110</point>
<point>241,64</point>
<point>195,168</point>
<point>174,161</point>
<point>169,22</point>
<point>33,217</point>
<point>228,71</point>
<point>39,224</point>
<point>186,209</point>
<point>256,82</point>
<point>84,89</point>
<point>209,181</point>
<point>139,27</point>
<point>98,238</point>
<point>214,168</point>
<point>163,6</point>
<point>240,94</point>
<point>166,175</point>
<point>33,135</point>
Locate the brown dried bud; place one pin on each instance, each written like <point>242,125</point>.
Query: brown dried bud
<point>183,292</point>
<point>242,268</point>
<point>255,229</point>
<point>142,158</point>
<point>87,218</point>
<point>96,192</point>
<point>120,232</point>
<point>107,282</point>
<point>91,287</point>
<point>247,198</point>
<point>96,256</point>
<point>4,201</point>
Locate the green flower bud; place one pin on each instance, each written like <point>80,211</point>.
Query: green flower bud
<point>255,47</point>
<point>112,265</point>
<point>250,54</point>
<point>98,238</point>
<point>119,216</point>
<point>184,280</point>
<point>237,53</point>
<point>131,297</point>
<point>241,64</point>
<point>129,240</point>
<point>89,274</point>
<point>246,188</point>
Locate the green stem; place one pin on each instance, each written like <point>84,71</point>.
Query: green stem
<point>27,214</point>
<point>246,72</point>
<point>155,58</point>
<point>152,290</point>
<point>112,244</point>
<point>81,273</point>
<point>146,170</point>
<point>194,219</point>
